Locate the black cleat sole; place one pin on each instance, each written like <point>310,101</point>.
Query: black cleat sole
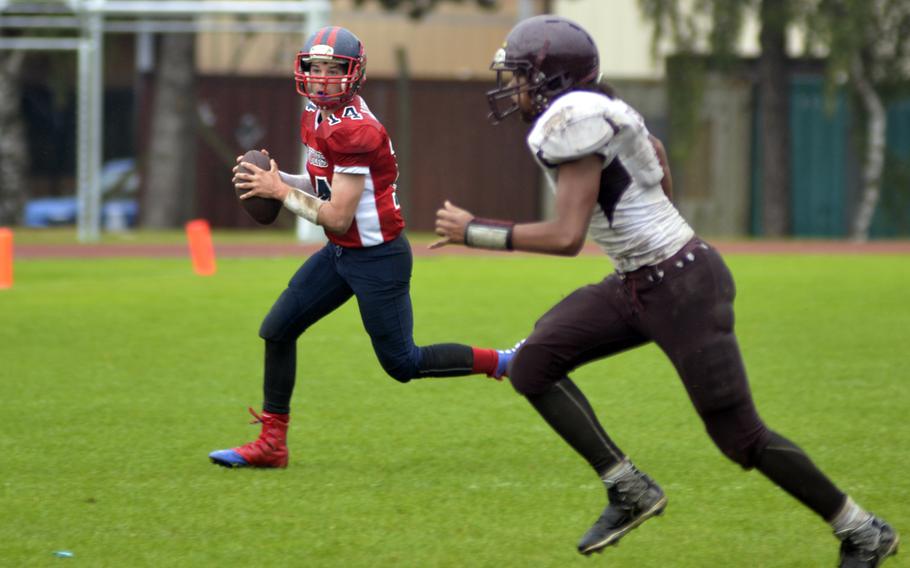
<point>655,511</point>
<point>892,550</point>
<point>225,464</point>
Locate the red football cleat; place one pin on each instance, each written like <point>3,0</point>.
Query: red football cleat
<point>268,450</point>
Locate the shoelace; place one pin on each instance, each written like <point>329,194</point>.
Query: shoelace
<point>258,418</point>
<point>262,439</point>
<point>865,538</point>
<point>627,492</point>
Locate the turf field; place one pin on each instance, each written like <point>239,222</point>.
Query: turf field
<point>117,377</point>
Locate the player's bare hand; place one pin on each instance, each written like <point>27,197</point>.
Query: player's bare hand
<point>451,223</point>
<point>239,159</point>
<point>260,182</point>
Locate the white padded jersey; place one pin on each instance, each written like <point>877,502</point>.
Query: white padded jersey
<point>633,221</point>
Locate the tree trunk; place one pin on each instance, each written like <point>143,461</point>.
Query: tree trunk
<point>171,163</point>
<point>774,88</point>
<point>13,143</point>
<point>876,125</point>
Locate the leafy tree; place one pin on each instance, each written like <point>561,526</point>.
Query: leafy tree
<point>867,42</point>
<point>713,27</point>
<point>171,165</point>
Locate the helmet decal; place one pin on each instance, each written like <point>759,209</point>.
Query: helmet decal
<point>500,57</point>
<point>322,51</point>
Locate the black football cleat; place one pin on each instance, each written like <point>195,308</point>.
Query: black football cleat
<point>632,501</point>
<point>868,545</point>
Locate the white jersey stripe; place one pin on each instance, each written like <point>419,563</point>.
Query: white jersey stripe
<point>359,170</point>
<point>367,216</point>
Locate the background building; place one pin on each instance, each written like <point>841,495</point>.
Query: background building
<point>426,81</point>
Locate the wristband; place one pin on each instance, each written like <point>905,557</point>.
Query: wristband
<point>489,234</point>
<point>303,205</point>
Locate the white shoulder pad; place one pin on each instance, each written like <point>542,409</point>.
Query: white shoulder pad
<point>581,123</point>
<point>571,128</point>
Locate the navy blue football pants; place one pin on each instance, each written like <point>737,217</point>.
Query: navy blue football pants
<point>380,278</point>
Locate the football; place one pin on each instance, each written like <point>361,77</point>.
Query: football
<point>263,210</point>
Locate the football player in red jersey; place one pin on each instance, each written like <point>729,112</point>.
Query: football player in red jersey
<point>670,288</point>
<point>348,189</point>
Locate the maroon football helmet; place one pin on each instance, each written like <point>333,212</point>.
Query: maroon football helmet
<point>552,55</point>
<point>335,44</point>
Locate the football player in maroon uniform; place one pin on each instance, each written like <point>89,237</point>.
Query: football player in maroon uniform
<point>670,287</point>
<point>348,189</point>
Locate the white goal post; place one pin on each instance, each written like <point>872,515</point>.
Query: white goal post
<point>89,20</point>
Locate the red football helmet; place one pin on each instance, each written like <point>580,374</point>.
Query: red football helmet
<point>338,45</point>
<point>551,54</point>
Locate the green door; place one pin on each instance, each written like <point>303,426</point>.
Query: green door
<point>818,154</point>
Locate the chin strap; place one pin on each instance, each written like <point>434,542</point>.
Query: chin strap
<point>303,205</point>
<point>489,234</point>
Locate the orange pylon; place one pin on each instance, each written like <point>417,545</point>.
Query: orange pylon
<point>6,258</point>
<point>202,253</point>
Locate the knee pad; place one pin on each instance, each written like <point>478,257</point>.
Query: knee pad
<point>283,322</point>
<point>278,324</point>
<point>714,375</point>
<point>534,370</point>
<point>401,369</point>
<point>268,330</point>
<point>275,329</point>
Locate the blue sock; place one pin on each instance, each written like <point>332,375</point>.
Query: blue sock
<point>505,357</point>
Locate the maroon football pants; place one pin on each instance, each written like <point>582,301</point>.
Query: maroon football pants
<point>685,306</point>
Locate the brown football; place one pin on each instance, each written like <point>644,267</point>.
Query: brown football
<point>263,210</point>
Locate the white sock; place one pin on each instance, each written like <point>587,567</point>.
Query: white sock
<point>850,518</point>
<point>617,472</point>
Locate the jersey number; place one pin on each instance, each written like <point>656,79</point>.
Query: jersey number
<point>348,112</point>
<point>351,112</point>
<point>323,189</point>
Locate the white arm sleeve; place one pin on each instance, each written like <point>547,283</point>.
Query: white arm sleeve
<point>301,182</point>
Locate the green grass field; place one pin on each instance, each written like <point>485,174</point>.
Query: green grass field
<point>117,377</point>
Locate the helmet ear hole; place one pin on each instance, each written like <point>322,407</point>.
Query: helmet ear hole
<point>558,83</point>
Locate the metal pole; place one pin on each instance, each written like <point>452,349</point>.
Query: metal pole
<point>40,43</point>
<point>403,134</point>
<point>83,147</point>
<point>96,25</point>
<point>308,232</point>
<point>91,62</point>
<point>196,7</point>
